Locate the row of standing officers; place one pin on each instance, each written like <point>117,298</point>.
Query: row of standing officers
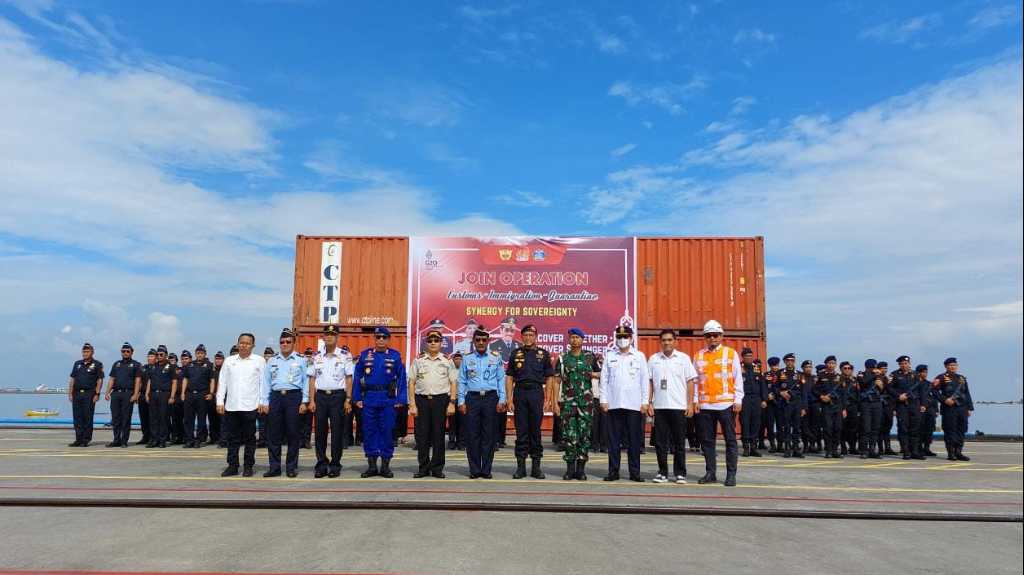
<point>837,412</point>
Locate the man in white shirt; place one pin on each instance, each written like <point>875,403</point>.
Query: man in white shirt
<point>624,397</point>
<point>238,393</point>
<point>330,385</point>
<point>719,392</point>
<point>673,379</point>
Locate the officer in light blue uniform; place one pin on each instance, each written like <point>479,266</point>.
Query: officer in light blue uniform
<point>379,389</point>
<point>481,400</point>
<point>283,397</point>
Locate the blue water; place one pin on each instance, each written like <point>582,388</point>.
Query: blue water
<point>990,419</point>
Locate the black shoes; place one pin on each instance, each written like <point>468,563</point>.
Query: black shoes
<point>612,476</point>
<point>113,444</point>
<point>636,478</point>
<point>581,470</point>
<point>385,469</point>
<point>438,474</point>
<point>319,473</point>
<point>520,468</point>
<point>229,471</point>
<point>292,473</point>
<point>75,444</point>
<point>420,473</point>
<point>247,472</point>
<point>570,471</point>
<point>272,473</point>
<point>371,468</point>
<point>708,478</point>
<point>536,472</point>
<point>730,480</point>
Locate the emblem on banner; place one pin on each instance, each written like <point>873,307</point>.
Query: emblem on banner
<point>538,255</point>
<point>505,254</point>
<point>523,255</point>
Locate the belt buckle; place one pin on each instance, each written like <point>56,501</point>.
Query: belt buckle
<point>284,392</point>
<point>328,391</point>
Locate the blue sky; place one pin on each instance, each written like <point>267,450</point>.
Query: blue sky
<point>159,158</point>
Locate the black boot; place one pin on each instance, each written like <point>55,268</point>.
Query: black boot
<point>535,471</point>
<point>797,453</point>
<point>760,444</point>
<point>709,477</point>
<point>570,471</point>
<point>371,468</point>
<point>753,450</point>
<point>787,449</point>
<point>520,468</point>
<point>581,470</point>
<point>385,469</point>
<point>771,446</point>
<point>960,455</point>
<point>730,479</point>
<point>746,449</point>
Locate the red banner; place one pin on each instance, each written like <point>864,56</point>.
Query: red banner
<point>503,284</point>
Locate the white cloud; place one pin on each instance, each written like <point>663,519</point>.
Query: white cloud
<point>623,150</point>
<point>898,225</point>
<point>625,189</point>
<point>528,199</point>
<point>902,31</point>
<point>444,154</point>
<point>482,14</point>
<point>66,329</point>
<point>668,96</point>
<point>995,16</point>
<point>107,223</point>
<point>741,104</point>
<point>717,127</point>
<point>609,43</point>
<point>425,105</point>
<point>753,36</point>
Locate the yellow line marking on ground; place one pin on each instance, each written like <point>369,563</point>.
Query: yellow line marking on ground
<point>546,483</point>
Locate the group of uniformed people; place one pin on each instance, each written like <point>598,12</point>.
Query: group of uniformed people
<point>816,409</point>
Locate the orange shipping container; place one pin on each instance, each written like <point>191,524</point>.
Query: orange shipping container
<point>683,282</point>
<point>651,344</point>
<point>374,281</point>
<point>356,342</point>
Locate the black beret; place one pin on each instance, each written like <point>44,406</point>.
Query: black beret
<point>773,360</point>
<point>219,354</point>
<point>902,358</point>
<point>747,351</point>
<point>86,345</point>
<point>127,345</point>
<point>200,347</point>
<point>845,364</point>
<point>950,360</point>
<point>806,363</point>
<point>921,367</point>
<point>187,354</point>
<point>830,358</point>
<point>870,364</point>
<point>268,349</point>
<point>529,327</point>
<point>757,361</point>
<point>172,356</point>
<point>161,348</point>
<point>789,356</point>
<point>883,364</point>
<point>151,352</point>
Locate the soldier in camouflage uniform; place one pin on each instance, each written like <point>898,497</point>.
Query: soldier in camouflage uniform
<point>575,370</point>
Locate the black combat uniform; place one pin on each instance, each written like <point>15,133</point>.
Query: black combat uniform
<point>870,412</point>
<point>831,396</point>
<point>956,402</point>
<point>200,375</point>
<point>530,368</point>
<point>162,381</point>
<point>123,373</point>
<point>907,410</point>
<point>755,391</point>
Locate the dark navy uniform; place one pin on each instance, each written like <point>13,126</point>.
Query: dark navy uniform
<point>162,382</point>
<point>956,402</point>
<point>86,379</point>
<point>831,397</point>
<point>791,410</point>
<point>930,401</point>
<point>123,374</point>
<point>811,420</point>
<point>772,418</point>
<point>870,411</point>
<point>851,423</point>
<point>755,392</point>
<point>147,433</point>
<point>907,410</point>
<point>216,436</point>
<point>200,375</point>
<point>888,414</point>
<point>529,368</point>
<point>177,410</point>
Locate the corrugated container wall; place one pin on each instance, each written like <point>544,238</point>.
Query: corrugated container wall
<point>356,342</point>
<point>374,281</point>
<point>651,344</point>
<point>683,282</point>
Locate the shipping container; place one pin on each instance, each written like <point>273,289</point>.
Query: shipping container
<point>356,342</point>
<point>374,281</point>
<point>683,282</point>
<point>651,344</point>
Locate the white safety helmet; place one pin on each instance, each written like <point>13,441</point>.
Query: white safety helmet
<point>713,326</point>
